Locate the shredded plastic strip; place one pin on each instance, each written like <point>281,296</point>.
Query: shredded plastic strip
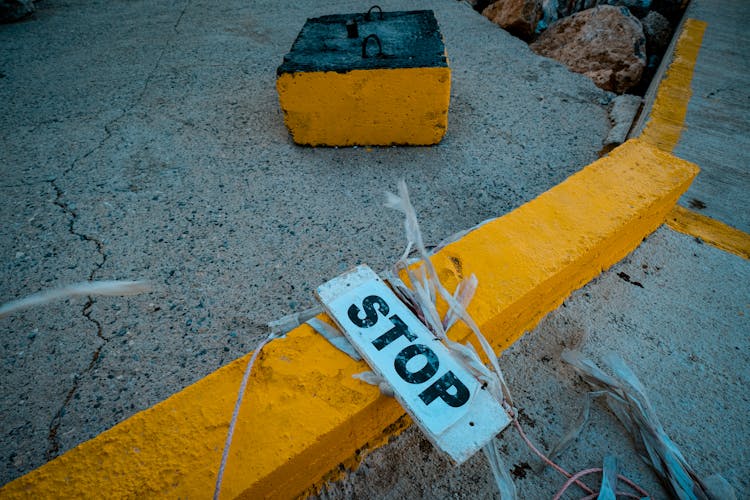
<point>504,483</point>
<point>373,378</point>
<point>82,289</point>
<point>609,478</point>
<point>626,397</point>
<point>291,321</point>
<point>335,337</point>
<point>426,284</point>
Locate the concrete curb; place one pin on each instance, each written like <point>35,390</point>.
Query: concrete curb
<point>305,419</point>
<point>669,102</point>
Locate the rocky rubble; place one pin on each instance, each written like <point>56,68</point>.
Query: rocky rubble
<point>616,43</point>
<point>605,43</point>
<point>658,32</point>
<point>15,10</point>
<point>518,17</point>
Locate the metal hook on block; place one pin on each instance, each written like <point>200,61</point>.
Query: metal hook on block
<point>367,15</point>
<point>352,29</point>
<point>364,45</point>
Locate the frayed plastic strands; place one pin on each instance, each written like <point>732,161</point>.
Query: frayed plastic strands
<point>503,481</point>
<point>427,286</point>
<point>626,397</point>
<point>464,293</point>
<point>609,479</point>
<point>575,430</point>
<point>83,289</point>
<point>291,321</point>
<point>335,337</point>
<point>373,378</point>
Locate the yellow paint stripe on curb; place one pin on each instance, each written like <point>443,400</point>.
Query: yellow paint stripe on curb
<point>710,230</point>
<point>304,414</point>
<point>670,105</point>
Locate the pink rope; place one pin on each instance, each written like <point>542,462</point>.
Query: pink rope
<point>547,460</point>
<point>575,478</point>
<point>582,473</point>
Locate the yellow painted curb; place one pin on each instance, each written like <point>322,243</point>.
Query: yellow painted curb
<point>304,418</point>
<point>710,230</point>
<point>669,109</point>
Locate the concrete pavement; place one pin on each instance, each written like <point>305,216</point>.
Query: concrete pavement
<point>145,140</point>
<point>716,126</point>
<point>152,147</point>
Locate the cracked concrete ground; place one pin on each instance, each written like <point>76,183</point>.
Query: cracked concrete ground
<point>144,140</point>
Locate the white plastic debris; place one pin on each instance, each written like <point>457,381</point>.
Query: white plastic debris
<point>83,289</point>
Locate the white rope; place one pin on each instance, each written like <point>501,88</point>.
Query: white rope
<point>237,405</point>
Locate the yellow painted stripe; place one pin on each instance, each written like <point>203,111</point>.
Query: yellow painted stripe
<point>305,418</point>
<point>670,105</point>
<point>665,127</point>
<point>710,230</point>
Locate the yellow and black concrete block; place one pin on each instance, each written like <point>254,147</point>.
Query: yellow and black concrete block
<point>374,79</point>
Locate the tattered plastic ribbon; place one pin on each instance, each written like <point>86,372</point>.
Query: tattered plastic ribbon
<point>427,287</point>
<point>626,397</point>
<point>82,289</point>
<point>609,479</point>
<point>292,321</point>
<point>423,299</point>
<point>335,337</point>
<point>373,378</point>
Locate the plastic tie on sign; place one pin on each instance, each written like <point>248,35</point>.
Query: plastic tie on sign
<point>335,337</point>
<point>459,403</point>
<point>455,410</point>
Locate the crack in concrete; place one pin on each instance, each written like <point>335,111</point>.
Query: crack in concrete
<point>53,449</point>
<point>179,19</point>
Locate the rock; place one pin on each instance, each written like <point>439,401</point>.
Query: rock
<point>479,5</point>
<point>671,9</point>
<point>568,7</point>
<point>15,10</point>
<point>518,17</point>
<point>604,43</point>
<point>623,111</point>
<point>658,33</point>
<point>638,8</point>
<point>550,13</point>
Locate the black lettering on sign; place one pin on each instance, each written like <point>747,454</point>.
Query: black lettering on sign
<point>423,374</point>
<point>371,315</point>
<point>441,389</point>
<point>399,329</point>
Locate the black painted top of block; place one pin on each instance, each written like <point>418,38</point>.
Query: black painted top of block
<point>410,39</point>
